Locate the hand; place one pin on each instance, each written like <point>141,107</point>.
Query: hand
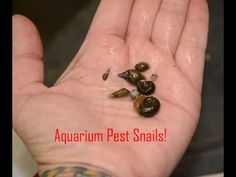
<point>170,35</point>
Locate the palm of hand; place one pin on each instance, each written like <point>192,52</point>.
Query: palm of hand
<point>79,102</point>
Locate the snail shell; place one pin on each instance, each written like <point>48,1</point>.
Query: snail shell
<point>134,93</point>
<point>154,77</point>
<point>146,87</point>
<point>132,76</point>
<point>142,66</point>
<point>106,74</point>
<point>147,106</point>
<point>119,93</point>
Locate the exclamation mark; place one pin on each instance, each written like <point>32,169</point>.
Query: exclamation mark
<point>165,132</point>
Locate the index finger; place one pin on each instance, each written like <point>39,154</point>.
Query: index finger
<point>112,17</point>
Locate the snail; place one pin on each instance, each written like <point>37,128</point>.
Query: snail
<point>106,74</point>
<point>142,66</point>
<point>145,87</point>
<point>154,77</point>
<point>134,93</point>
<point>119,93</point>
<point>147,106</point>
<point>132,75</point>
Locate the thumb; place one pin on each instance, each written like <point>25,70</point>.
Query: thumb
<point>27,61</point>
<point>27,56</point>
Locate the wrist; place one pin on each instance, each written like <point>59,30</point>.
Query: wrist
<point>73,170</point>
<point>114,163</point>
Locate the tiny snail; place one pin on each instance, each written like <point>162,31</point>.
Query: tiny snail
<point>154,77</point>
<point>119,93</point>
<point>132,75</point>
<point>134,93</point>
<point>147,106</point>
<point>146,87</point>
<point>106,74</point>
<point>142,66</point>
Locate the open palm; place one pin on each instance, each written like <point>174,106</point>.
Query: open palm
<point>169,35</point>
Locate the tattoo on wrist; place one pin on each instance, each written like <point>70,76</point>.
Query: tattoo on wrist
<point>75,172</point>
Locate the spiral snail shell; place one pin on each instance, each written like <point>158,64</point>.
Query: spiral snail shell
<point>132,76</point>
<point>145,87</point>
<point>147,106</point>
<point>119,93</point>
<point>142,66</point>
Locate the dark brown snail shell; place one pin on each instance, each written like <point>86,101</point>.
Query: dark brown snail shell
<point>106,74</point>
<point>119,93</point>
<point>142,66</point>
<point>132,75</point>
<point>147,106</point>
<point>145,87</point>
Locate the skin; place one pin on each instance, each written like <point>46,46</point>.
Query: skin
<point>169,35</point>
